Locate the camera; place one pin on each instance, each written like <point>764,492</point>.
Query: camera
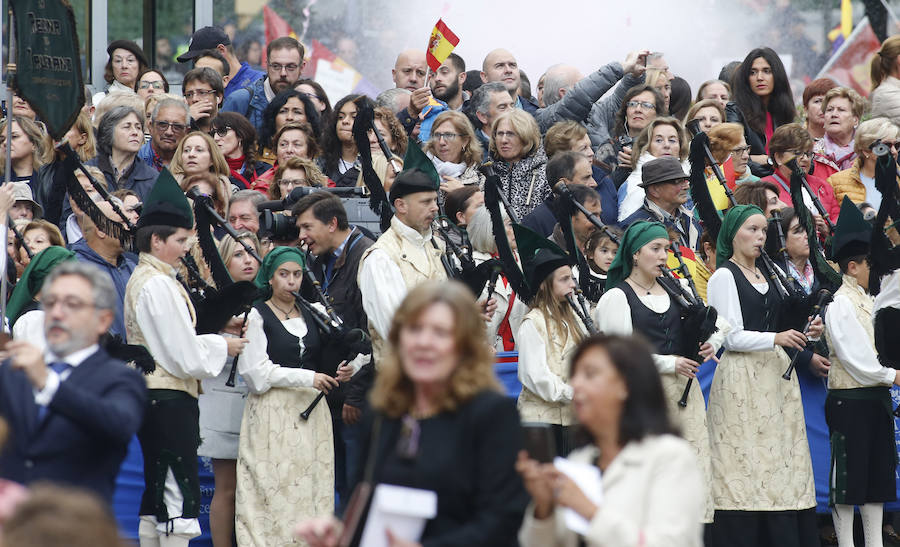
<point>625,141</point>
<point>279,227</point>
<point>283,227</point>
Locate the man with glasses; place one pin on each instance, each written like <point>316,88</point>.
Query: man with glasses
<point>285,59</point>
<point>238,75</point>
<point>203,89</point>
<point>72,409</point>
<point>168,124</point>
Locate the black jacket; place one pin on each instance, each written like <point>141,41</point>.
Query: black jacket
<point>756,141</point>
<point>344,291</point>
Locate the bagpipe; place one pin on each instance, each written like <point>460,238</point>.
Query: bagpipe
<point>693,128</point>
<point>884,256</point>
<point>800,175</point>
<point>330,324</point>
<point>818,310</point>
<point>505,262</point>
<point>699,320</point>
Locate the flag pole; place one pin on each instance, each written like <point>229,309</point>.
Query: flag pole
<point>7,174</point>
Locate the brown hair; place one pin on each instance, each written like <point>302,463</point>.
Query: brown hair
<point>217,164</point>
<point>556,313</point>
<point>314,176</point>
<point>790,136</point>
<point>312,145</point>
<point>723,138</point>
<point>562,135</point>
<point>53,515</point>
<point>753,193</point>
<point>392,124</point>
<point>819,86</point>
<point>394,394</point>
<point>472,153</point>
<point>884,59</point>
<point>221,192</point>
<point>43,147</point>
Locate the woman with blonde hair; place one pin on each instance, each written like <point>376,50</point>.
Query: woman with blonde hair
<point>708,112</point>
<point>442,424</point>
<point>455,151</point>
<point>844,108</point>
<point>884,70</point>
<point>663,136</point>
<point>658,78</point>
<point>198,153</point>
<point>293,173</point>
<point>519,160</point>
<point>858,182</point>
<point>715,90</point>
<point>30,148</point>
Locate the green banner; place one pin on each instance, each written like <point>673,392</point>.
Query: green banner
<point>48,62</point>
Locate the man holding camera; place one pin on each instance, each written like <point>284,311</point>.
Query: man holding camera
<point>338,247</point>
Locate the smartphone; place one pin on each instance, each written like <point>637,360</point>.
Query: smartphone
<point>539,441</point>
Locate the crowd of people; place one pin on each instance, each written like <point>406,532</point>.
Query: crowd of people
<point>185,270</point>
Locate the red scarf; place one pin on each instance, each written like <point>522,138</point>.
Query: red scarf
<point>236,165</point>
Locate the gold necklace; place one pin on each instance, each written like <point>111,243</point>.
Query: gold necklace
<point>753,271</point>
<point>287,314</point>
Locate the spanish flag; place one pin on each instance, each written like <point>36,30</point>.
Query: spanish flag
<point>440,45</point>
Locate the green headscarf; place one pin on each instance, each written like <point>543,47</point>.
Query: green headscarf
<point>732,222</point>
<point>33,279</point>
<point>275,258</point>
<point>638,234</point>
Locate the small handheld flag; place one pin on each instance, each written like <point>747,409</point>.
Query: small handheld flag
<point>440,45</point>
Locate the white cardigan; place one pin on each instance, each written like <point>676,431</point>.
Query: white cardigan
<point>653,496</point>
<point>886,100</point>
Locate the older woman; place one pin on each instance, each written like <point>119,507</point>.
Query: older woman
<point>519,160</point>
<point>835,152</point>
<point>813,97</point>
<point>293,173</point>
<point>285,466</point>
<point>455,151</point>
<point>37,235</point>
<point>222,407</point>
<point>662,137</point>
<point>763,485</point>
<point>391,131</point>
<point>858,182</point>
<point>763,99</point>
<point>236,139</point>
<point>126,61</point>
<point>653,493</point>
<point>198,153</point>
<point>149,82</point>
<point>724,139</point>
<point>435,394</point>
<point>715,90</point>
<point>119,137</point>
<point>790,142</point>
<point>884,71</point>
<point>708,112</point>
<point>295,140</point>
<point>641,104</point>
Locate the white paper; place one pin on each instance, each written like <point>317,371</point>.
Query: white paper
<point>402,510</point>
<point>587,478</point>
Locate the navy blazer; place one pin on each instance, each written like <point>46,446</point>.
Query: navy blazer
<point>84,436</point>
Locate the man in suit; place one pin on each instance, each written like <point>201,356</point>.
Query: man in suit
<point>73,409</point>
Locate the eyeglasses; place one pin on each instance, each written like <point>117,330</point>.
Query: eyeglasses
<point>69,304</point>
<point>449,137</point>
<point>220,131</point>
<point>146,85</point>
<point>643,104</point>
<point>740,150</point>
<point>165,126</point>
<point>800,153</point>
<point>505,134</point>
<point>199,93</point>
<point>292,182</point>
<point>311,96</point>
<point>278,67</point>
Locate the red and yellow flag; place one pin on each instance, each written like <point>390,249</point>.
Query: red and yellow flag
<point>440,45</point>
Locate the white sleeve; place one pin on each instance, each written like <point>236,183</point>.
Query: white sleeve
<point>846,336</point>
<point>170,338</point>
<point>722,295</point>
<point>534,373</point>
<point>634,195</point>
<point>382,288</point>
<point>51,386</point>
<point>30,328</point>
<point>613,316</point>
<point>260,373</point>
